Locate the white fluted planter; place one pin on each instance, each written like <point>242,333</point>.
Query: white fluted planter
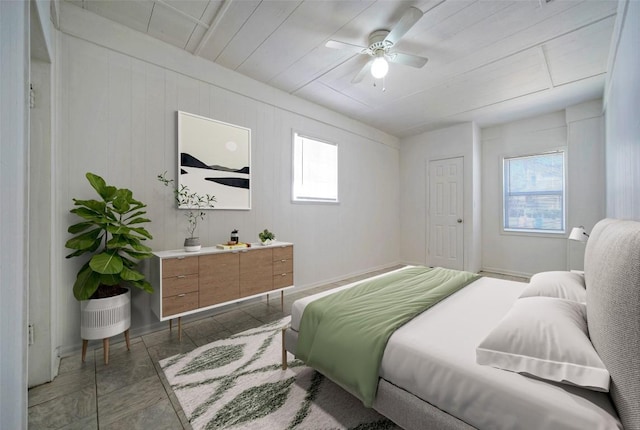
<point>104,318</point>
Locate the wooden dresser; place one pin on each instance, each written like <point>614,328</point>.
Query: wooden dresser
<point>188,282</point>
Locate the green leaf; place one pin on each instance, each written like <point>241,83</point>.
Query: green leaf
<point>131,275</point>
<point>142,232</point>
<point>86,283</point>
<point>117,241</point>
<point>116,229</point>
<point>79,227</point>
<point>94,205</point>
<point>106,263</point>
<point>84,240</point>
<point>137,255</point>
<point>143,285</point>
<point>88,214</point>
<point>140,247</point>
<point>122,200</point>
<point>105,191</point>
<point>138,221</point>
<point>135,214</point>
<point>77,253</point>
<point>110,279</point>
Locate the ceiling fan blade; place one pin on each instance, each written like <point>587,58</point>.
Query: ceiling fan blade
<point>407,59</point>
<point>410,17</point>
<point>362,73</point>
<point>334,44</point>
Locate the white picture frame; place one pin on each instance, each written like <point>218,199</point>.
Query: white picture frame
<point>214,158</point>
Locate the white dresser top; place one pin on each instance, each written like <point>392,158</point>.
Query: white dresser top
<point>213,250</point>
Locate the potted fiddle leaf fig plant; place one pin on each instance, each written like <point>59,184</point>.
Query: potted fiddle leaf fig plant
<point>195,204</point>
<point>110,231</point>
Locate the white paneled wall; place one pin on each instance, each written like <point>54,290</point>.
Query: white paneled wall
<point>118,119</point>
<point>622,124</point>
<point>416,152</point>
<point>14,138</point>
<point>579,131</point>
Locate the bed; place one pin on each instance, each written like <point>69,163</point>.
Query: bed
<point>444,369</point>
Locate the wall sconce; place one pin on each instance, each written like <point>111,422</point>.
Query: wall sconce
<point>579,234</point>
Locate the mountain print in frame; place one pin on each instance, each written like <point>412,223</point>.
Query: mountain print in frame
<point>215,158</point>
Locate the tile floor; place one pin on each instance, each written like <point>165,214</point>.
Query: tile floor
<point>131,392</point>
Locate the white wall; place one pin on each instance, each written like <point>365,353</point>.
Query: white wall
<point>579,131</point>
<point>119,94</point>
<point>622,123</point>
<point>14,134</point>
<point>415,154</point>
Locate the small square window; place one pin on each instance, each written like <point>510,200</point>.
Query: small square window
<point>315,170</point>
<point>534,193</point>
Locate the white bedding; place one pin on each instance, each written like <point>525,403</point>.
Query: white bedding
<point>433,357</point>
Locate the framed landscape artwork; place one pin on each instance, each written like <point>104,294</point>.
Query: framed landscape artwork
<point>215,158</point>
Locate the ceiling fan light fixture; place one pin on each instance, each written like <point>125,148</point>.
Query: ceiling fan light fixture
<point>379,67</point>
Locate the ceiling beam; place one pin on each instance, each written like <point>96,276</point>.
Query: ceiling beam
<point>212,27</point>
<point>184,14</point>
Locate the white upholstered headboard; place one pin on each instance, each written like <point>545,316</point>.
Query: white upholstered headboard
<point>612,276</point>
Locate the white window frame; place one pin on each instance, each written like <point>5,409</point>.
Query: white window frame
<point>297,194</point>
<point>535,231</point>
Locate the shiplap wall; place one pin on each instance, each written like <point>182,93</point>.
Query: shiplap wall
<point>416,152</point>
<point>118,119</point>
<point>578,130</point>
<point>622,124</point>
<point>14,137</point>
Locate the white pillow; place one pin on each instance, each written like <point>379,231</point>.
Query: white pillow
<point>546,337</point>
<point>563,285</point>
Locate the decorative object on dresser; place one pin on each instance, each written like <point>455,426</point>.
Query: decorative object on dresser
<point>195,204</point>
<point>266,237</point>
<point>111,231</point>
<point>212,277</point>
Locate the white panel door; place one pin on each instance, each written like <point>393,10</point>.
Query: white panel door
<point>445,225</point>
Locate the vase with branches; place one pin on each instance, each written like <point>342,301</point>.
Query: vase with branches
<point>195,204</point>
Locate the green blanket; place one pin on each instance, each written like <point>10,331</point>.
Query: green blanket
<point>344,335</point>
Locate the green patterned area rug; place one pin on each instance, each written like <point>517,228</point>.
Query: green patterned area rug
<point>238,383</point>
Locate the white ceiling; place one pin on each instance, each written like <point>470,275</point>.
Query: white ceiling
<point>489,60</point>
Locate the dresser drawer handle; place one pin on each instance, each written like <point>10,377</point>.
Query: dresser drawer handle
<point>181,295</point>
<point>181,276</point>
<point>284,274</point>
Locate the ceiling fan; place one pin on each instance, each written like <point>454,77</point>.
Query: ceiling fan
<point>380,48</point>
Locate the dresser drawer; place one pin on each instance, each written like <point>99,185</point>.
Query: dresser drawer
<point>180,303</point>
<point>283,253</point>
<point>282,266</point>
<point>179,284</point>
<point>172,267</point>
<point>282,280</point>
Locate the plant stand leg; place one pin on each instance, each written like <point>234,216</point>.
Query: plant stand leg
<point>267,300</point>
<point>171,324</point>
<point>284,351</point>
<point>127,340</point>
<point>105,344</point>
<point>282,300</point>
<point>85,342</point>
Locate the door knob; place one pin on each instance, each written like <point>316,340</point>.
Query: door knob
<point>459,220</point>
